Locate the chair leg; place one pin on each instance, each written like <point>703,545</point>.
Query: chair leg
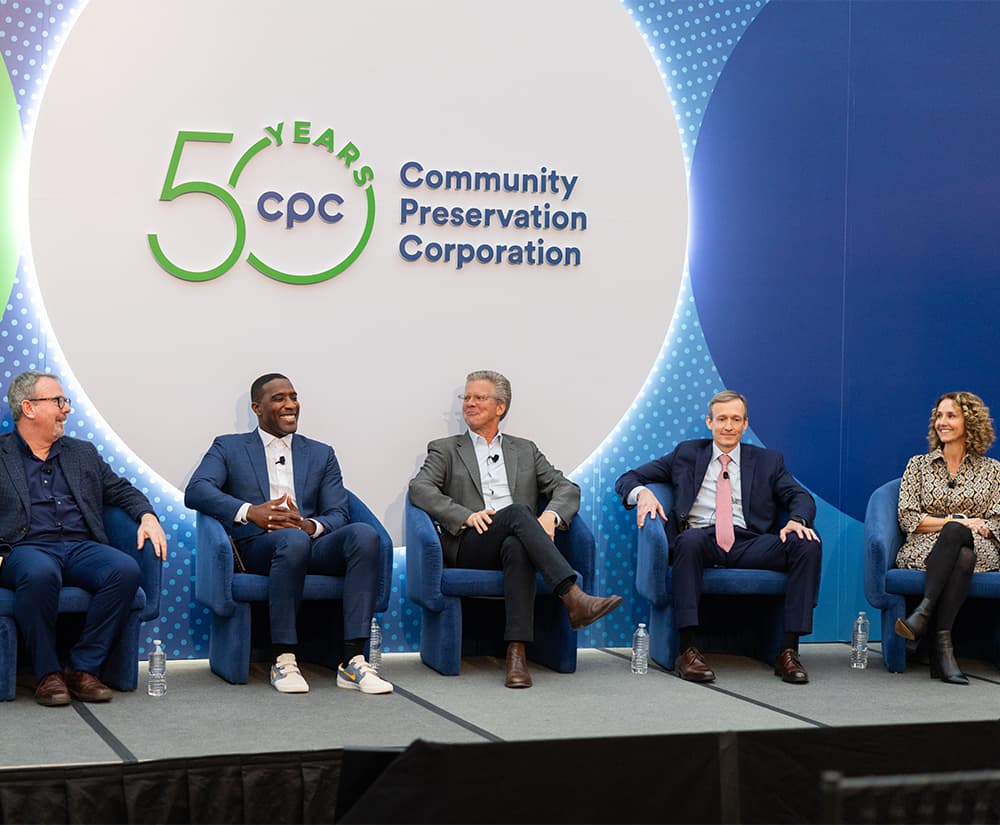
<point>662,636</point>
<point>8,658</point>
<point>121,668</point>
<point>893,646</point>
<point>555,641</point>
<point>441,637</point>
<point>229,645</point>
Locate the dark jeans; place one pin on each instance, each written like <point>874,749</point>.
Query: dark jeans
<point>696,548</point>
<point>286,555</point>
<point>36,572</point>
<point>517,544</point>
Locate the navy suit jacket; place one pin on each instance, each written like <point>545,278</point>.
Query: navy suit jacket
<point>234,471</point>
<point>92,482</point>
<point>766,486</point>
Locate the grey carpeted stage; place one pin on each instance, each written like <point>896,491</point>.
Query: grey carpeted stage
<point>202,715</point>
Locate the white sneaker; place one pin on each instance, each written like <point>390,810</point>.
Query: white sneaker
<point>359,675</point>
<point>285,675</point>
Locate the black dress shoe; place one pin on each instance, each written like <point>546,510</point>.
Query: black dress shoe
<point>86,687</point>
<point>789,668</point>
<point>52,691</point>
<point>691,666</point>
<point>517,675</point>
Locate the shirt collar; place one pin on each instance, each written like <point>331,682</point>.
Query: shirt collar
<point>734,454</point>
<point>54,450</point>
<point>268,439</point>
<point>478,439</point>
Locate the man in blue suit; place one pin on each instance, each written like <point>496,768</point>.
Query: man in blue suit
<point>53,490</point>
<point>281,497</point>
<point>727,500</point>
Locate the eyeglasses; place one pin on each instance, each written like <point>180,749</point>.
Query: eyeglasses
<point>479,399</point>
<point>61,401</point>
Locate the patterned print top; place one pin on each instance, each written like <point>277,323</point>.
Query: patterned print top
<point>925,491</point>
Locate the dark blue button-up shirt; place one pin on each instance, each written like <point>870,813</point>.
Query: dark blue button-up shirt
<point>55,515</point>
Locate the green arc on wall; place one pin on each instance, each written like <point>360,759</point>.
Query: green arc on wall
<point>10,154</point>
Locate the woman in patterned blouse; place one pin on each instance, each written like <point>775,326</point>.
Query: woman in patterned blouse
<point>949,508</point>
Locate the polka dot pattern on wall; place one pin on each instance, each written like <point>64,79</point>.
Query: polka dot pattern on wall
<point>690,43</point>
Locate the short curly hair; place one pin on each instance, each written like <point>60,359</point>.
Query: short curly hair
<point>979,435</point>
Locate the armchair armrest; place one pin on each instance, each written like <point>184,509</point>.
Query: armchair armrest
<point>652,552</point>
<point>121,529</point>
<point>359,512</point>
<point>883,538</point>
<point>213,566</point>
<point>424,559</point>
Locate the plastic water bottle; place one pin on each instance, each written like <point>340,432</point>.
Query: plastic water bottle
<point>157,683</point>
<point>859,642</point>
<point>640,650</point>
<point>375,646</point>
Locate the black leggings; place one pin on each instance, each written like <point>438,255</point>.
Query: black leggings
<point>949,572</point>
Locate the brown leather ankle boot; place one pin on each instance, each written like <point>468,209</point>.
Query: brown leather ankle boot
<point>584,609</point>
<point>517,667</point>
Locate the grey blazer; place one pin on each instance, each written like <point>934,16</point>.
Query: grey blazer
<point>449,487</point>
<point>91,481</point>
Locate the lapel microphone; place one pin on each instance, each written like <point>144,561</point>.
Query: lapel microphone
<point>494,458</point>
<point>725,475</point>
<point>951,484</point>
<point>281,460</point>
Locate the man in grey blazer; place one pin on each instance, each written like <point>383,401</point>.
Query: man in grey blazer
<point>52,493</point>
<point>482,488</point>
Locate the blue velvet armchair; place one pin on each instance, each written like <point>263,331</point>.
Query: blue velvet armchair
<point>121,670</point>
<point>749,627</point>
<point>888,588</point>
<point>440,592</point>
<point>238,601</point>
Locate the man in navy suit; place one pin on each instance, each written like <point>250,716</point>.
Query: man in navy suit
<point>727,500</point>
<point>281,497</point>
<point>53,490</point>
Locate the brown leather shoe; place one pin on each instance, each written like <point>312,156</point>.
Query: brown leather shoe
<point>584,609</point>
<point>52,691</point>
<point>789,668</point>
<point>517,667</point>
<point>86,687</point>
<point>691,666</point>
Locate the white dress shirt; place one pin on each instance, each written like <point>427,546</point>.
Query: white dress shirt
<point>280,473</point>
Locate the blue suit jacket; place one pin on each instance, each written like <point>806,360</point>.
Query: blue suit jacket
<point>91,481</point>
<point>766,486</point>
<point>234,471</point>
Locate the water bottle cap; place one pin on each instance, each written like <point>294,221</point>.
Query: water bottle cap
<point>157,642</point>
<point>642,624</point>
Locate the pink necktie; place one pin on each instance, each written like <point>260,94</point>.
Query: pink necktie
<point>724,534</point>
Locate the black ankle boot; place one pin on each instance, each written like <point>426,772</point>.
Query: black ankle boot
<point>915,625</point>
<point>943,664</point>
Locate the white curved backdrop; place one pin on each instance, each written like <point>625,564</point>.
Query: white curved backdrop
<point>378,352</point>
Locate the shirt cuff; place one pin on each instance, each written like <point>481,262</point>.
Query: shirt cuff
<point>559,521</point>
<point>241,514</point>
<point>633,497</point>
<point>319,529</point>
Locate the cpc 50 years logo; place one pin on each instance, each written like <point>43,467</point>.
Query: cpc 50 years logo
<point>307,187</point>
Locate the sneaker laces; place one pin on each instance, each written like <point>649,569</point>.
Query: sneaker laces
<point>286,667</point>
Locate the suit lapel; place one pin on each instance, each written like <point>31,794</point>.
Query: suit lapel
<point>748,464</point>
<point>467,453</point>
<point>15,469</point>
<point>258,461</point>
<point>300,467</point>
<point>701,467</point>
<point>510,464</point>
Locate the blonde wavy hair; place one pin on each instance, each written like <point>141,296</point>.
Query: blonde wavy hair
<point>979,435</point>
